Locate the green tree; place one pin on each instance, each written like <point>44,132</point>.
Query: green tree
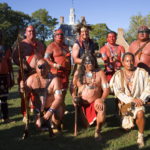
<point>99,33</point>
<point>44,23</point>
<point>11,22</point>
<point>135,22</point>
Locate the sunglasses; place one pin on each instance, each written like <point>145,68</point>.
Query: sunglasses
<point>42,66</point>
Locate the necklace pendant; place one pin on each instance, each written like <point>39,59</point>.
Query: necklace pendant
<point>89,74</point>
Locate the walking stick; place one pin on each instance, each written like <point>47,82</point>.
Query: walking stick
<point>76,121</point>
<point>76,113</point>
<point>26,129</point>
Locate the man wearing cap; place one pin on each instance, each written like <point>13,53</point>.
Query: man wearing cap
<point>83,43</point>
<point>58,56</point>
<point>6,77</point>
<point>141,48</point>
<point>112,54</point>
<point>31,51</point>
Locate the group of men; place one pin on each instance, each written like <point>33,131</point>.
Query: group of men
<point>45,77</point>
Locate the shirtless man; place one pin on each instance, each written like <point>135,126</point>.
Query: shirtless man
<point>31,51</point>
<point>58,56</point>
<point>141,48</point>
<point>46,89</point>
<point>92,89</point>
<point>112,55</point>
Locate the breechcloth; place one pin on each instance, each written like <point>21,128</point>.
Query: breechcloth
<point>89,112</point>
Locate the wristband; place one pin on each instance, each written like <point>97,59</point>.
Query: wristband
<point>51,110</point>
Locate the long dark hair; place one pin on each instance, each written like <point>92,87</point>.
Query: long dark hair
<point>82,67</point>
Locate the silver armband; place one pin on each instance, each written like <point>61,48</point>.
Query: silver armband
<point>105,85</point>
<point>47,55</point>
<point>103,55</point>
<point>58,92</point>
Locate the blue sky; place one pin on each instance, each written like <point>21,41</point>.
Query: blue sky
<point>115,13</point>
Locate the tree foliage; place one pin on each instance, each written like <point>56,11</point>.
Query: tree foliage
<point>99,32</point>
<point>44,23</point>
<point>135,22</point>
<point>11,22</point>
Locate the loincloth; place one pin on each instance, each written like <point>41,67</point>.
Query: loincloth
<point>89,112</point>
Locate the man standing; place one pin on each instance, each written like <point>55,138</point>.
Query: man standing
<point>31,51</point>
<point>141,48</point>
<point>46,89</point>
<point>58,56</point>
<point>6,77</point>
<point>112,55</point>
<point>92,90</point>
<point>132,86</point>
<point>83,43</point>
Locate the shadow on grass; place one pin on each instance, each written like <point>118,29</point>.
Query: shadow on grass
<point>14,111</point>
<point>135,147</point>
<point>64,141</point>
<point>132,147</point>
<point>13,95</point>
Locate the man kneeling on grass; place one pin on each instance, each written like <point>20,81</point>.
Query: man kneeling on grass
<point>131,86</point>
<point>92,91</point>
<point>47,93</point>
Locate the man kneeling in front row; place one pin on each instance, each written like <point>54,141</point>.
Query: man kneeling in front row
<point>92,89</point>
<point>131,86</point>
<point>48,95</point>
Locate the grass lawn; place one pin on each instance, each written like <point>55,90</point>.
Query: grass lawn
<point>114,138</point>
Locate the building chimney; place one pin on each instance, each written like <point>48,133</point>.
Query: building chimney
<point>61,20</point>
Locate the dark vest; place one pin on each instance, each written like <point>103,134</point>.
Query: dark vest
<point>91,48</point>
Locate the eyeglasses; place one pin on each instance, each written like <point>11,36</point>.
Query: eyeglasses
<point>42,66</point>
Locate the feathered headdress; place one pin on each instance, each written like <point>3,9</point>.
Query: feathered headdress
<point>82,26</point>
